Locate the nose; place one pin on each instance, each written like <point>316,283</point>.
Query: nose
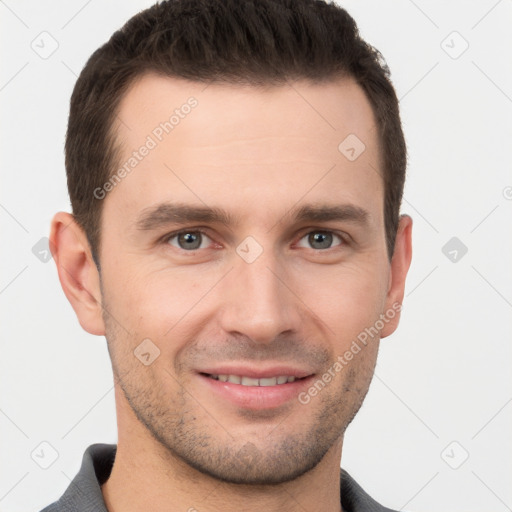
<point>258,300</point>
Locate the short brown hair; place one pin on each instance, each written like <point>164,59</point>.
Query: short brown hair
<point>255,42</point>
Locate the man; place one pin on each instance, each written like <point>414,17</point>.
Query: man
<point>235,170</point>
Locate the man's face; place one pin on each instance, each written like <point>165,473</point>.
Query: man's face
<point>266,295</point>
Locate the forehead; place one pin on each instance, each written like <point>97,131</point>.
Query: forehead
<point>246,145</point>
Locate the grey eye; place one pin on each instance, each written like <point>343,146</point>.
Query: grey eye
<point>187,240</point>
<point>321,239</point>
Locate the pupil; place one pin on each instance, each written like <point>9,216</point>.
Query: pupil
<point>190,239</point>
<point>323,239</point>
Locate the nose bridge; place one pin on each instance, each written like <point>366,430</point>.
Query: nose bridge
<point>258,304</point>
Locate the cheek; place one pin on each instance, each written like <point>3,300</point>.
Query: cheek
<point>156,304</point>
<point>347,300</point>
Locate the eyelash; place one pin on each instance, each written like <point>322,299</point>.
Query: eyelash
<point>344,238</point>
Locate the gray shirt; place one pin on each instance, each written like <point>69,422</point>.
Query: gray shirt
<point>84,492</point>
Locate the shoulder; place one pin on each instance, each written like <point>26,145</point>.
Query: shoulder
<point>355,499</point>
<point>84,492</point>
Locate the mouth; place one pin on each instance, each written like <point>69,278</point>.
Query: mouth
<point>256,390</point>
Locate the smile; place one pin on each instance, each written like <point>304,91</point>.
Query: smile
<point>250,381</point>
<point>252,389</point>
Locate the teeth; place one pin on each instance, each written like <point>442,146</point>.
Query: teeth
<point>271,381</point>
<point>250,381</point>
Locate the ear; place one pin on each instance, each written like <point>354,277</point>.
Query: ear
<point>400,263</point>
<point>78,275</point>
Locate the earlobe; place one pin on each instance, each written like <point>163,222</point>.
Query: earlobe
<point>400,264</point>
<point>77,272</point>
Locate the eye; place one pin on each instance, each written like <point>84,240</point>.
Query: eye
<point>187,240</point>
<point>192,240</point>
<point>321,240</point>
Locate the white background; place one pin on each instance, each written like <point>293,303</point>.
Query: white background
<point>444,375</point>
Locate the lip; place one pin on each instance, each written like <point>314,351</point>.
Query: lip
<point>256,398</point>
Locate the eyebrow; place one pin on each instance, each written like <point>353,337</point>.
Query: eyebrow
<point>167,213</point>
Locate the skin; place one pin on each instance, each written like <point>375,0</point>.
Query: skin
<point>258,153</point>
